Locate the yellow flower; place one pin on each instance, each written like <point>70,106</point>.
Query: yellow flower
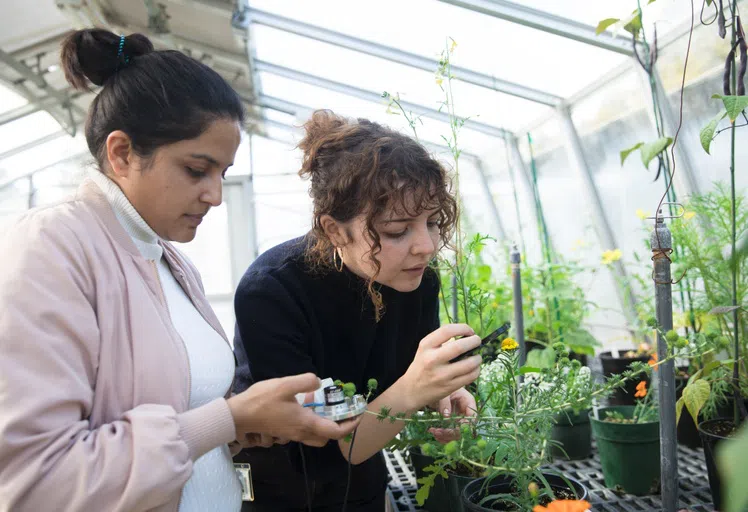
<point>509,344</point>
<point>495,305</point>
<point>689,215</point>
<point>611,255</point>
<point>453,46</point>
<point>531,312</point>
<point>439,81</point>
<point>642,214</point>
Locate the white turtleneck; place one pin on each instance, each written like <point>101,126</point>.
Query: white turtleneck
<point>213,485</point>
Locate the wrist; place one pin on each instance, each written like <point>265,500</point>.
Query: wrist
<point>242,410</point>
<point>407,397</point>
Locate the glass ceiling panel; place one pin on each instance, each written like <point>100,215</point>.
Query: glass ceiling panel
<point>314,97</point>
<point>26,129</point>
<point>489,45</point>
<point>10,100</point>
<point>378,75</point>
<point>666,13</point>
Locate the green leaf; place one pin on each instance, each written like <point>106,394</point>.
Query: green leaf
<point>707,133</point>
<point>633,24</point>
<point>541,358</point>
<point>678,409</point>
<point>651,150</point>
<point>626,152</point>
<point>723,310</point>
<point>604,24</point>
<point>695,396</point>
<point>484,272</point>
<point>731,457</point>
<point>734,105</point>
<point>529,369</point>
<point>423,491</point>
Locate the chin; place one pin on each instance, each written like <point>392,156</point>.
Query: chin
<point>406,286</point>
<point>183,236</point>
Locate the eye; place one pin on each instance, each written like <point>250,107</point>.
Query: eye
<point>194,172</point>
<point>395,236</point>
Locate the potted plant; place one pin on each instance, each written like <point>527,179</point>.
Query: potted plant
<point>571,432</point>
<point>617,362</point>
<point>628,442</point>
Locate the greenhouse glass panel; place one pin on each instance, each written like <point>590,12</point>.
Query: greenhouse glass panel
<point>10,100</point>
<point>545,61</point>
<point>26,130</point>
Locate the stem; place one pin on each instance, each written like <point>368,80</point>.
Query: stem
<point>733,257</point>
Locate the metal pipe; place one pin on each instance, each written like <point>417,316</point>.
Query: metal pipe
<point>519,319</point>
<point>546,22</point>
<point>662,244</point>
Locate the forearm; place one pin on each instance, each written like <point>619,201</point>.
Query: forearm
<point>372,434</point>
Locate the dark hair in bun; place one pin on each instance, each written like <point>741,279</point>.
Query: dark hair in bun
<point>156,97</point>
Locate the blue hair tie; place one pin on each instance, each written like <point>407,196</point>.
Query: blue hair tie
<point>121,49</point>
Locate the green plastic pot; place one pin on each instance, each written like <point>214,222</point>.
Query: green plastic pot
<point>574,433</point>
<point>629,453</point>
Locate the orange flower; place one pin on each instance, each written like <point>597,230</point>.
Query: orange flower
<point>564,506</point>
<point>653,362</point>
<point>641,389</point>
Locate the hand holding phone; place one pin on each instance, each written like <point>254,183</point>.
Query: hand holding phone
<point>488,339</point>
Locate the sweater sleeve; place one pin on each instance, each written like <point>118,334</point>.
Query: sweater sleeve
<point>270,339</point>
<point>50,455</point>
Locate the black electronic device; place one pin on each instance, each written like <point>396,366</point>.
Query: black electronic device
<point>488,339</point>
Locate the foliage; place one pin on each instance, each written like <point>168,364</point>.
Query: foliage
<point>731,456</point>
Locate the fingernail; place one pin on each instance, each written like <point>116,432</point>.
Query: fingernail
<point>446,412</point>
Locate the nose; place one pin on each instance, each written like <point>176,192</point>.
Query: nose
<point>213,192</point>
<point>424,242</point>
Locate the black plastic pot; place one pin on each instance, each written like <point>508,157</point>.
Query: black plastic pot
<point>474,492</point>
<point>616,366</point>
<point>438,500</point>
<point>574,433</point>
<point>446,494</point>
<point>712,433</point>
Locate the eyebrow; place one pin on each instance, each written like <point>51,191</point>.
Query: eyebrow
<point>208,159</point>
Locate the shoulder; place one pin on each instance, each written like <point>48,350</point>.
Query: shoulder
<point>275,270</point>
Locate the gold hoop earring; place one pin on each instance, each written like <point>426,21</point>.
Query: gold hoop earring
<point>337,252</point>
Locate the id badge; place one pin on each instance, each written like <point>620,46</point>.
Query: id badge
<point>244,474</point>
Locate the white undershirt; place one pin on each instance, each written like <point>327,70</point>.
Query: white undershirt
<point>213,485</point>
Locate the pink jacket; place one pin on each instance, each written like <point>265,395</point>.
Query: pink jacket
<point>94,379</point>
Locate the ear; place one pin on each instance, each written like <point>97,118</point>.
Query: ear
<point>119,153</point>
<point>334,230</point>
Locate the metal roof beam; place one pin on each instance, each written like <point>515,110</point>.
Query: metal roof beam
<point>292,74</point>
<point>546,22</point>
<point>399,56</point>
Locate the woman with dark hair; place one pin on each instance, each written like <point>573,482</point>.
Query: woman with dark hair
<point>115,373</point>
<point>354,299</point>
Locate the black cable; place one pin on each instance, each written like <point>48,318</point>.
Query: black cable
<point>348,485</point>
<point>306,479</point>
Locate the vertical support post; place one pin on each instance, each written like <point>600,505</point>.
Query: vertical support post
<point>662,244</point>
<point>522,172</point>
<point>491,202</point>
<point>519,320</point>
<point>686,182</point>
<point>602,225</point>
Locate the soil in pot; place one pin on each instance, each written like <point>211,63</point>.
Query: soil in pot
<point>475,491</point>
<point>616,366</point>
<point>629,452</point>
<point>574,433</point>
<point>712,433</point>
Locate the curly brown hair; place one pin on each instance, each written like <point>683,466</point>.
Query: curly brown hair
<point>360,167</point>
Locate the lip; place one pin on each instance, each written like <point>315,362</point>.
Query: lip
<point>415,270</point>
<point>197,219</point>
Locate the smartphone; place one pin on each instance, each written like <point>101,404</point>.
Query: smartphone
<point>488,339</point>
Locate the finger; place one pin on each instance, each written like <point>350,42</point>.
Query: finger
<point>456,348</point>
<point>467,379</point>
<point>304,383</point>
<point>322,428</point>
<point>466,366</point>
<point>281,440</point>
<point>445,407</point>
<point>309,397</point>
<point>265,441</point>
<point>444,334</point>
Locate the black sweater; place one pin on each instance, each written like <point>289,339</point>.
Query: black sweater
<point>290,320</point>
